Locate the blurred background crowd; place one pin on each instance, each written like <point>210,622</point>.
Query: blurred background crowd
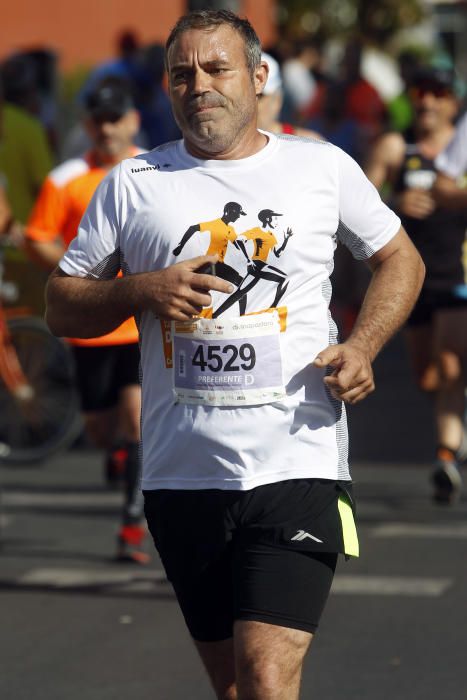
<point>346,71</point>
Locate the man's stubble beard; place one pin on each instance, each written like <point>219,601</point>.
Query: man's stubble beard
<point>218,136</point>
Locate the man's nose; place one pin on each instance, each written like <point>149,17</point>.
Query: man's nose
<point>428,99</point>
<point>201,82</point>
<point>106,128</point>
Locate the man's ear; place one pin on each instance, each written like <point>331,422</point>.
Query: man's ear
<point>260,77</point>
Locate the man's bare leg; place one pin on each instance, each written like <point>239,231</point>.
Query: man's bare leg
<point>262,662</point>
<point>219,661</point>
<point>450,415</point>
<point>129,413</point>
<point>268,660</point>
<point>451,352</point>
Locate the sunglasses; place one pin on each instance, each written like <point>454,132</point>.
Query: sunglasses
<point>435,89</point>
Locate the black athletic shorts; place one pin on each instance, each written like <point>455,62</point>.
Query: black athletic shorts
<point>432,300</point>
<point>103,371</point>
<point>267,555</point>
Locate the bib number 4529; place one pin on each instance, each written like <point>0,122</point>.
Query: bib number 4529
<point>228,358</point>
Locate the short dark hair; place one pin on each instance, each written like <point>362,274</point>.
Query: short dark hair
<point>211,19</point>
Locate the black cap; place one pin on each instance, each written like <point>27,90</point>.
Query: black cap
<point>444,77</point>
<point>109,101</point>
<point>235,206</point>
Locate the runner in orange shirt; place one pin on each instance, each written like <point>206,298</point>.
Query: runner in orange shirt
<point>107,367</point>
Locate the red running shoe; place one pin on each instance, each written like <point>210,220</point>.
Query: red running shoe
<point>130,539</point>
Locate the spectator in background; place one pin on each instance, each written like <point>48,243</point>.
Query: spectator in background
<point>29,83</point>
<point>25,157</point>
<point>20,83</point>
<point>157,120</point>
<point>270,104</point>
<point>107,367</point>
<point>297,75</point>
<point>336,126</point>
<point>361,101</point>
<point>129,65</point>
<point>400,108</point>
<point>144,71</point>
<point>5,211</point>
<point>437,327</point>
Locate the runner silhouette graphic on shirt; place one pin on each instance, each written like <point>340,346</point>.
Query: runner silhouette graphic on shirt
<point>221,235</point>
<point>258,268</point>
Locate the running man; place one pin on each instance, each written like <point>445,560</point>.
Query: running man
<point>107,367</point>
<point>246,484</point>
<point>258,268</point>
<point>436,329</point>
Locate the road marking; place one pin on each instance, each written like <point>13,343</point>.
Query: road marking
<point>19,498</point>
<point>71,578</point>
<point>391,586</point>
<point>455,531</point>
<point>147,581</point>
<point>5,520</point>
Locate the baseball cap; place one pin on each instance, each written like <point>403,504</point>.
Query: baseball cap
<point>236,206</point>
<point>444,77</point>
<point>274,82</point>
<point>110,100</point>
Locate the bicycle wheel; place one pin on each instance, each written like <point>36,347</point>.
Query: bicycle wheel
<point>46,418</point>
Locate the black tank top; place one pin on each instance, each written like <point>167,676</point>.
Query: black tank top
<point>439,238</point>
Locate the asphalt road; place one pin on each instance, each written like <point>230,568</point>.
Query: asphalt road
<point>76,625</point>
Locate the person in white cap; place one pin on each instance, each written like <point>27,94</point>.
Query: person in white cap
<point>270,104</point>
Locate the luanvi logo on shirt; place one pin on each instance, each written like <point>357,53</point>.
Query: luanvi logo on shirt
<point>302,535</point>
<point>149,167</point>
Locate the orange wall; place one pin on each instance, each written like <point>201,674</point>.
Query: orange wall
<point>262,15</point>
<point>82,32</point>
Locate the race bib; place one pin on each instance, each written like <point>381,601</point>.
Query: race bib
<point>228,362</point>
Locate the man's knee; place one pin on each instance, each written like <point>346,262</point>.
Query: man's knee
<point>450,367</point>
<point>269,659</point>
<point>218,659</point>
<point>131,429</point>
<point>428,378</point>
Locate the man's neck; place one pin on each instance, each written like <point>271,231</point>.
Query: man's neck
<point>107,162</point>
<point>251,143</point>
<point>435,139</point>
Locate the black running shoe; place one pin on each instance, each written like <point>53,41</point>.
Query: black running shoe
<point>446,478</point>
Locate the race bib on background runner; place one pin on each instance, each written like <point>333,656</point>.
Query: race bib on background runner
<point>228,362</point>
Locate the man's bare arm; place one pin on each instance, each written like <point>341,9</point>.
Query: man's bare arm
<point>448,194</point>
<point>46,254</point>
<point>397,277</point>
<point>383,167</point>
<point>385,160</point>
<point>86,308</point>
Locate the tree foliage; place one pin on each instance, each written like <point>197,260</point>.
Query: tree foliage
<point>374,19</point>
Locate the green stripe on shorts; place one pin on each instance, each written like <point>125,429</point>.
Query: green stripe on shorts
<point>349,530</point>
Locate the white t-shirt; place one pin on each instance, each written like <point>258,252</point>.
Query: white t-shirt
<point>140,214</point>
<point>453,160</point>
